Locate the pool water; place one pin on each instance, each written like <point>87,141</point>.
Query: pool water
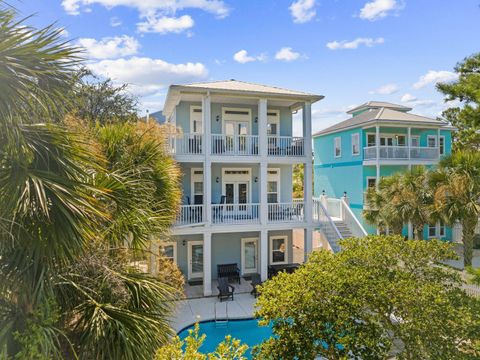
<point>247,331</point>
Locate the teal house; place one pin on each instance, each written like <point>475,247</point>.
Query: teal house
<point>378,140</point>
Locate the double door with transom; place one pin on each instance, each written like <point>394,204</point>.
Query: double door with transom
<point>236,196</point>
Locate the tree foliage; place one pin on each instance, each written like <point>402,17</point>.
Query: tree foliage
<point>74,200</point>
<point>102,101</point>
<point>466,116</point>
<point>379,297</point>
<point>189,349</point>
<point>456,186</point>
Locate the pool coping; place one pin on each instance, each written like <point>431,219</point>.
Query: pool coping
<point>213,320</point>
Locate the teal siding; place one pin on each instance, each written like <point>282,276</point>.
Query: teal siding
<point>324,148</point>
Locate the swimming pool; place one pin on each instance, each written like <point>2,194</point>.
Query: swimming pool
<point>247,331</point>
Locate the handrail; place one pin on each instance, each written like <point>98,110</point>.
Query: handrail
<point>327,226</point>
<point>346,208</point>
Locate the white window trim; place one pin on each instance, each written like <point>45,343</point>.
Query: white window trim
<point>232,117</point>
<point>192,108</point>
<point>277,120</point>
<point>244,240</point>
<point>370,178</point>
<point>442,137</point>
<point>195,178</point>
<point>226,178</point>
<point>285,238</point>
<point>356,135</point>
<point>434,137</point>
<point>170,243</point>
<point>274,177</point>
<point>415,137</point>
<point>335,146</point>
<point>438,226</point>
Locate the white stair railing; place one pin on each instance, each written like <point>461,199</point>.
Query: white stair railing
<point>349,219</point>
<point>327,226</point>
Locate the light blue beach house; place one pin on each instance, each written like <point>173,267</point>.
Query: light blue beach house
<point>379,139</point>
<point>235,145</point>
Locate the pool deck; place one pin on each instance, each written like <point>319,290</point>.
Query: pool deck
<point>189,311</point>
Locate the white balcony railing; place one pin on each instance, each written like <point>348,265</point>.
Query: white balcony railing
<point>236,214</point>
<point>190,215</point>
<point>286,212</point>
<point>185,144</point>
<point>400,153</point>
<point>286,146</point>
<point>234,144</point>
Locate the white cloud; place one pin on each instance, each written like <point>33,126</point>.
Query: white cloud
<point>147,76</point>
<point>408,98</point>
<point>413,101</point>
<point>387,89</point>
<point>110,47</point>
<point>433,77</point>
<point>354,44</point>
<point>165,24</point>
<point>115,21</point>
<point>378,9</point>
<point>287,54</point>
<point>303,11</point>
<point>217,7</point>
<point>242,57</point>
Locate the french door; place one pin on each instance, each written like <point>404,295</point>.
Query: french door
<point>236,193</point>
<point>236,136</point>
<point>249,255</point>
<point>195,259</point>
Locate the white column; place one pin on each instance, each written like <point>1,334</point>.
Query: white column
<point>207,264</point>
<point>207,170</point>
<point>377,144</point>
<point>410,230</point>
<point>263,151</point>
<point>308,237</point>
<point>262,128</point>
<point>264,255</point>
<point>438,142</point>
<point>409,144</point>
<point>308,169</point>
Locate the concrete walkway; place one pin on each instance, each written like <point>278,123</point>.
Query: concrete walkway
<point>190,311</point>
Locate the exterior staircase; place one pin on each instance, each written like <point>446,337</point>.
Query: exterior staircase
<point>343,229</point>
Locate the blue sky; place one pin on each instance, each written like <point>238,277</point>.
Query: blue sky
<point>350,51</point>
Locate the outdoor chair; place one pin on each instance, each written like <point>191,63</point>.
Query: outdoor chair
<point>228,271</point>
<point>255,281</point>
<point>225,290</point>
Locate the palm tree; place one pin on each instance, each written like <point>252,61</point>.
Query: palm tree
<point>59,263</point>
<point>377,211</point>
<point>457,195</point>
<point>400,199</point>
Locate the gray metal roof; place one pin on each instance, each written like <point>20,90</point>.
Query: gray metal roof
<point>382,115</point>
<point>378,105</point>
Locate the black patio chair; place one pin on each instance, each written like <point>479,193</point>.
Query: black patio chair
<point>255,281</point>
<point>225,289</point>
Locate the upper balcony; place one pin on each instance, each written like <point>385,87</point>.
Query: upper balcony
<point>236,145</point>
<point>416,153</point>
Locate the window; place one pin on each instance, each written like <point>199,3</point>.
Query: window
<point>371,140</point>
<point>355,144</point>
<point>338,146</point>
<point>401,140</point>
<point>442,145</point>
<point>386,141</point>
<point>196,120</point>
<point>197,187</point>
<point>432,141</point>
<point>169,250</point>
<point>437,230</point>
<point>273,185</point>
<point>415,141</point>
<point>273,122</point>
<point>278,250</point>
<point>371,182</point>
